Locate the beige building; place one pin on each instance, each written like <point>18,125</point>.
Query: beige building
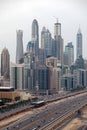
<point>8,92</point>
<point>5,63</point>
<point>54,79</point>
<point>51,61</point>
<point>55,73</point>
<point>1,80</point>
<point>85,64</point>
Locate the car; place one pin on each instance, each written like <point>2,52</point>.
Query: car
<point>34,129</point>
<point>38,126</point>
<point>52,118</point>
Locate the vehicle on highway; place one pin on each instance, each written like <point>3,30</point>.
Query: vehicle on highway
<point>34,129</point>
<point>38,103</point>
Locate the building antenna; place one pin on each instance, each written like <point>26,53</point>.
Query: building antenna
<point>79,26</point>
<point>56,18</point>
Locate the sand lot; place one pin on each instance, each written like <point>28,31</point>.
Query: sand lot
<point>76,123</point>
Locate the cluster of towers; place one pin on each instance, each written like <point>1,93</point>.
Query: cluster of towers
<point>44,63</point>
<point>49,46</point>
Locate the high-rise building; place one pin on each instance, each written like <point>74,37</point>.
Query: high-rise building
<point>30,71</point>
<point>80,77</point>
<point>57,29</point>
<point>67,82</point>
<point>27,71</point>
<point>79,63</point>
<point>69,52</point>
<point>5,63</point>
<point>79,44</point>
<point>54,79</point>
<point>53,48</point>
<point>46,41</point>
<point>52,61</point>
<point>30,47</point>
<point>65,59</point>
<point>58,42</point>
<point>17,76</point>
<point>35,36</point>
<point>43,78</point>
<point>54,74</point>
<point>42,57</point>
<point>19,47</point>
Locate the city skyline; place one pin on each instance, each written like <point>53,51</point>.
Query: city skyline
<point>20,14</point>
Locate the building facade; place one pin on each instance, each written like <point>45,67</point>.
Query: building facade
<point>35,36</point>
<point>58,42</point>
<point>5,63</point>
<point>42,57</point>
<point>69,53</point>
<point>30,47</point>
<point>67,82</point>
<point>43,78</point>
<point>54,74</point>
<point>17,76</point>
<point>79,63</point>
<point>19,47</point>
<point>52,61</point>
<point>80,76</point>
<point>79,44</point>
<point>30,72</point>
<point>46,41</point>
<point>8,93</point>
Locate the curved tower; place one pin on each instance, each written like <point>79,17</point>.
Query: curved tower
<point>19,47</point>
<point>5,63</point>
<point>35,36</point>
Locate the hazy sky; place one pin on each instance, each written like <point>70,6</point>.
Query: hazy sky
<point>19,14</point>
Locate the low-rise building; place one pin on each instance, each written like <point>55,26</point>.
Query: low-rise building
<point>8,93</point>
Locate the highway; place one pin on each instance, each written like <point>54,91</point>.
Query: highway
<point>47,118</point>
<point>14,111</point>
<point>46,98</point>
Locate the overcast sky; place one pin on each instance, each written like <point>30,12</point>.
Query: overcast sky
<point>19,14</point>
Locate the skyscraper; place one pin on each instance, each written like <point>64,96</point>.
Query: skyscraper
<point>43,78</point>
<point>69,51</point>
<point>57,29</point>
<point>19,47</point>
<point>46,41</point>
<point>30,71</point>
<point>42,57</point>
<point>79,63</point>
<point>17,76</point>
<point>54,74</point>
<point>79,44</point>
<point>58,42</point>
<point>5,63</point>
<point>35,36</point>
<point>30,47</point>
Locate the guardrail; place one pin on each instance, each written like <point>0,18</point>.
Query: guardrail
<point>66,96</point>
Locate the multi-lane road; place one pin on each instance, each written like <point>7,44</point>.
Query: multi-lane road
<point>47,118</point>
